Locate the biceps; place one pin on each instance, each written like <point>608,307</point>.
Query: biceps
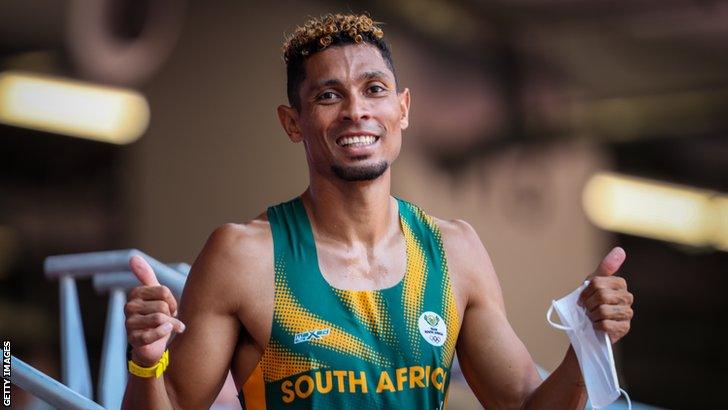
<point>200,357</point>
<point>494,361</point>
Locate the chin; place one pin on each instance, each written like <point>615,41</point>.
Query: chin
<point>355,173</point>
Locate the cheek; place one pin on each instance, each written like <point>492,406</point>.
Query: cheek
<point>392,115</point>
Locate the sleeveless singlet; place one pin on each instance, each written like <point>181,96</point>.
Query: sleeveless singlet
<point>343,349</point>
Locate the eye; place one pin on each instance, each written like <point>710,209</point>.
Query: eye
<point>327,96</point>
<point>376,89</point>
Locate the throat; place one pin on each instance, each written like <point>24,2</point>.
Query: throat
<point>360,269</point>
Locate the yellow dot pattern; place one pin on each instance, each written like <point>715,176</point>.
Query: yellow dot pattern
<point>370,309</point>
<point>295,318</point>
<point>413,286</point>
<point>448,298</point>
<point>278,362</point>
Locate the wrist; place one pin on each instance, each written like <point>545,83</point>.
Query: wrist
<point>139,361</point>
<point>155,370</point>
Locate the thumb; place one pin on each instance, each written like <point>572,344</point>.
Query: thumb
<point>611,263</point>
<point>143,271</point>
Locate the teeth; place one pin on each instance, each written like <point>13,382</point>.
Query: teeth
<point>357,140</point>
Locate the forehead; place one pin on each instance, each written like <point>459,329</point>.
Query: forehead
<point>344,63</point>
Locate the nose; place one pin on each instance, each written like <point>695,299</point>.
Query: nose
<point>355,108</point>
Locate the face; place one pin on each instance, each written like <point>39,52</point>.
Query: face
<point>351,117</point>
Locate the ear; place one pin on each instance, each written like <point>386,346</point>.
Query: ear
<point>404,106</point>
<point>288,116</point>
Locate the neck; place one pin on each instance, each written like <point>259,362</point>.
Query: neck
<point>351,212</point>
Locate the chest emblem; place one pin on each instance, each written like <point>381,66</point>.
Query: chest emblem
<point>310,335</point>
<point>432,328</point>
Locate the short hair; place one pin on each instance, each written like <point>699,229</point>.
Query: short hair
<point>317,34</point>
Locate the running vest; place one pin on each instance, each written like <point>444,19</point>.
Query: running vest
<point>343,349</point>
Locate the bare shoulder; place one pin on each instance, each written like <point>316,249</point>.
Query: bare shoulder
<point>469,264</point>
<point>463,247</point>
<point>236,258</point>
<point>240,242</point>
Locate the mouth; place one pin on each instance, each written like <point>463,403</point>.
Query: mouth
<point>356,141</point>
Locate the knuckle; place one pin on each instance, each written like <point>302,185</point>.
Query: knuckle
<point>144,339</point>
<point>134,293</point>
<point>603,310</point>
<point>166,293</point>
<point>148,337</point>
<point>158,318</point>
<point>134,338</point>
<point>162,307</point>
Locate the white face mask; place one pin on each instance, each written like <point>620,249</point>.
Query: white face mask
<point>593,349</point>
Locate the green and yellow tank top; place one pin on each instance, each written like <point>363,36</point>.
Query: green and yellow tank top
<point>343,349</point>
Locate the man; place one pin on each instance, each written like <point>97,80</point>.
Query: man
<point>346,297</point>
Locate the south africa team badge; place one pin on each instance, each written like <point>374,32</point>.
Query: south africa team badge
<point>432,328</point>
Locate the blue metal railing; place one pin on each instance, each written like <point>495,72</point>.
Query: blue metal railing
<point>110,274</point>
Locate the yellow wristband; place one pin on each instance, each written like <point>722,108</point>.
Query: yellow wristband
<point>148,372</point>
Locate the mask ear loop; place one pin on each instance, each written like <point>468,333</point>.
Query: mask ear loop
<point>562,327</point>
<point>551,322</point>
<point>557,325</point>
<point>626,396</point>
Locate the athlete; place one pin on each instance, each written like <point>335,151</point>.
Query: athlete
<point>346,297</point>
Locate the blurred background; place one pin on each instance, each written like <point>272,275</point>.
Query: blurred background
<point>557,128</point>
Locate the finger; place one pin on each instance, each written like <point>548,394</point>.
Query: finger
<point>602,286</point>
<point>146,307</point>
<point>610,312</point>
<point>614,328</point>
<point>608,297</point>
<point>153,320</point>
<point>143,271</point>
<point>151,293</point>
<point>139,338</point>
<point>611,263</point>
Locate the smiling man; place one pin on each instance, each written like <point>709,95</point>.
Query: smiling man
<point>346,297</point>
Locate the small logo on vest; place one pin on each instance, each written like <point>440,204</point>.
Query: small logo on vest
<point>311,334</point>
<point>432,328</point>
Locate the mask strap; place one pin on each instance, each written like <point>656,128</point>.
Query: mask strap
<point>560,326</point>
<point>626,396</point>
<point>551,322</point>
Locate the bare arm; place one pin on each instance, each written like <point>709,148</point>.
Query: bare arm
<point>200,356</point>
<point>494,361</point>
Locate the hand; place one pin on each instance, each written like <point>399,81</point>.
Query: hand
<point>150,315</point>
<point>606,299</point>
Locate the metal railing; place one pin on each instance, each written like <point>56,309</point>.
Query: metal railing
<point>110,274</point>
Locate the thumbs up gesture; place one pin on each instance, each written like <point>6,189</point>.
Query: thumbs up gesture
<point>607,301</point>
<point>151,312</point>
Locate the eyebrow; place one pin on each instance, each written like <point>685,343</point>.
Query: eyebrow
<point>369,75</point>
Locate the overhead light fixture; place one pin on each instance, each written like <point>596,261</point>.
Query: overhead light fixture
<point>74,108</point>
<point>658,210</point>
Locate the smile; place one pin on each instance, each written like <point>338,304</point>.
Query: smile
<point>357,141</point>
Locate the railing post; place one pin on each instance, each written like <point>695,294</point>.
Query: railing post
<point>112,372</point>
<point>74,359</point>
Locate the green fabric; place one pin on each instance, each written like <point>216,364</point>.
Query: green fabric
<point>365,334</point>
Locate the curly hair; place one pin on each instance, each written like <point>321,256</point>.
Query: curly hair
<point>317,34</point>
